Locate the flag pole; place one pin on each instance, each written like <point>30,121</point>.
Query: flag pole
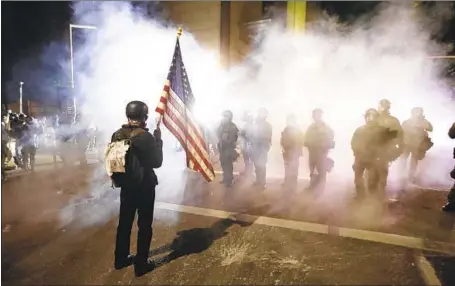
<point>160,117</point>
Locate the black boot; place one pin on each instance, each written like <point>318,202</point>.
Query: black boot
<point>142,268</point>
<point>125,262</point>
<point>449,207</point>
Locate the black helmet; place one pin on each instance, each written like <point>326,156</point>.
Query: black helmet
<point>371,111</point>
<point>371,114</point>
<point>385,103</point>
<point>137,110</point>
<point>318,111</point>
<point>228,114</point>
<point>262,113</point>
<point>417,111</point>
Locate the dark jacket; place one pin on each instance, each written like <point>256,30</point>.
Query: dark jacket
<point>452,131</point>
<point>147,149</point>
<point>319,137</point>
<point>370,141</point>
<point>292,140</point>
<point>227,136</point>
<point>261,139</point>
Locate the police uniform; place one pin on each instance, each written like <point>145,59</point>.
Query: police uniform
<point>261,142</point>
<point>367,144</point>
<point>227,140</point>
<point>450,206</point>
<point>291,143</point>
<point>4,147</point>
<point>246,146</point>
<point>319,139</point>
<point>29,142</point>
<point>416,141</point>
<point>392,150</point>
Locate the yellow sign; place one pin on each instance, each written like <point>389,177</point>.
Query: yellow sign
<point>296,15</point>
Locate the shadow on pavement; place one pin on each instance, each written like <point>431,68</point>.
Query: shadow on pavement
<point>198,240</point>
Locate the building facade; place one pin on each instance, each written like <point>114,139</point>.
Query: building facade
<point>227,26</point>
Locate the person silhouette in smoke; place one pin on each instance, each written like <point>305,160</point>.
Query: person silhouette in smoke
<point>319,139</point>
<point>227,134</point>
<point>416,140</point>
<point>367,144</point>
<point>261,142</point>
<point>245,143</point>
<point>292,145</point>
<point>394,148</point>
<point>450,206</point>
<point>137,193</point>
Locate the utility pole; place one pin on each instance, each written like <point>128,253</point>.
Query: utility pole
<point>20,97</point>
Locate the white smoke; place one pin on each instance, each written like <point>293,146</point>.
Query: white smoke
<point>342,72</point>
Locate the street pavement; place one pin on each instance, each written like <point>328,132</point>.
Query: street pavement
<point>57,229</point>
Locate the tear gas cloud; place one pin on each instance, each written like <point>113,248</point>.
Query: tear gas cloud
<point>342,72</point>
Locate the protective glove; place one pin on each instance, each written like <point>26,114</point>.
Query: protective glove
<point>157,133</point>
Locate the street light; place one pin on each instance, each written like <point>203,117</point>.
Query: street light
<point>73,26</point>
<point>20,96</point>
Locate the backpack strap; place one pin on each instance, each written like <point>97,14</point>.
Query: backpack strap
<point>135,132</point>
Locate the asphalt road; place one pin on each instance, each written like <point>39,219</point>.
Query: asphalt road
<point>58,227</point>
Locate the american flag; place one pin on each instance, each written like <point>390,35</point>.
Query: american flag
<point>175,107</point>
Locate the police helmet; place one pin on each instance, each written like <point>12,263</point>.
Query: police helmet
<point>22,116</point>
<point>371,112</point>
<point>385,103</point>
<point>228,114</point>
<point>263,113</point>
<point>417,111</point>
<point>291,118</point>
<point>137,110</point>
<point>247,116</point>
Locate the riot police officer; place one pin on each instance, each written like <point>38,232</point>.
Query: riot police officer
<point>138,195</point>
<point>29,142</point>
<point>245,143</point>
<point>5,139</point>
<point>19,130</point>
<point>227,141</point>
<point>450,206</point>
<point>82,139</point>
<point>319,139</point>
<point>416,140</point>
<point>367,143</point>
<point>261,141</point>
<point>291,144</point>
<point>394,148</point>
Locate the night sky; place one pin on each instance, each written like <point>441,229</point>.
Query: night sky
<point>28,26</point>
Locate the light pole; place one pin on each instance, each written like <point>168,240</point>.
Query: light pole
<point>20,96</point>
<point>73,26</point>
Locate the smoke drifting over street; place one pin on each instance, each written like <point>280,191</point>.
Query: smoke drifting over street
<point>342,71</point>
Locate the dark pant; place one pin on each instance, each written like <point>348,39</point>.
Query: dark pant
<point>248,161</point>
<point>28,156</point>
<point>142,201</point>
<point>260,166</point>
<point>4,150</point>
<point>291,169</point>
<point>228,168</point>
<point>414,154</point>
<point>377,178</point>
<point>451,196</point>
<point>318,170</point>
<point>362,168</point>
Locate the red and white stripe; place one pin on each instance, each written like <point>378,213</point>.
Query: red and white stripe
<point>180,122</point>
